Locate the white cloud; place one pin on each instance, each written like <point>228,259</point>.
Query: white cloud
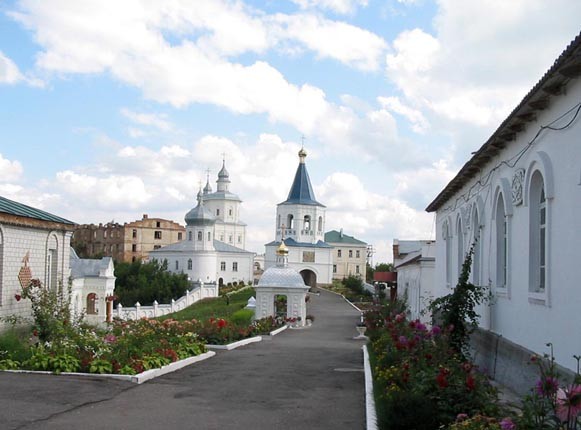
<point>394,104</point>
<point>337,6</point>
<point>10,171</point>
<point>346,43</point>
<point>9,73</point>
<point>158,121</point>
<point>475,70</point>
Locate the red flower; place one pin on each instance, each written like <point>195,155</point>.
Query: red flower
<point>442,380</point>
<point>35,332</point>
<point>470,383</point>
<point>17,297</point>
<point>221,323</point>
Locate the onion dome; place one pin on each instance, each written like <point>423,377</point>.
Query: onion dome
<point>283,277</point>
<point>200,215</point>
<point>223,173</point>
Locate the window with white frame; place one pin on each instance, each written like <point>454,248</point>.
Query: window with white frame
<point>448,243</point>
<point>537,234</point>
<point>223,266</point>
<point>501,243</point>
<point>235,266</point>
<point>477,247</point>
<point>190,264</point>
<point>460,245</point>
<point>199,235</point>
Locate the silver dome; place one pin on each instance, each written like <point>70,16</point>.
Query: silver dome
<point>282,277</point>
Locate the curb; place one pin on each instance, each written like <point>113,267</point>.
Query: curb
<point>371,417</point>
<point>235,345</point>
<point>136,379</point>
<point>278,330</point>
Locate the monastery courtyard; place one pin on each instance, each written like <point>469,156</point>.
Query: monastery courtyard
<point>308,378</point>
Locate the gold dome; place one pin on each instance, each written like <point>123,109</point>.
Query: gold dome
<point>282,249</point>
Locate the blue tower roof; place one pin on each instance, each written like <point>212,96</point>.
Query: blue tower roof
<point>301,191</point>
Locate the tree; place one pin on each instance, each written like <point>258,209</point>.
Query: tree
<point>148,282</point>
<point>384,267</point>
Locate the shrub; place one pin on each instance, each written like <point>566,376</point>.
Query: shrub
<point>242,317</point>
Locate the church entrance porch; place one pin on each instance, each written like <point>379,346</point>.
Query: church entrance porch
<point>309,277</point>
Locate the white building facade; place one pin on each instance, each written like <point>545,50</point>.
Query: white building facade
<point>414,262</point>
<point>35,244</point>
<point>518,201</point>
<point>202,255</point>
<point>300,222</point>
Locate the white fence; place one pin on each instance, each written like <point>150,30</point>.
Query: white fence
<point>199,292</point>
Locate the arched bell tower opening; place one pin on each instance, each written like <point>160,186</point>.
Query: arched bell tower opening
<point>309,277</point>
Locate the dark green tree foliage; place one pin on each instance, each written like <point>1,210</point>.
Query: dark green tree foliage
<point>457,310</point>
<point>384,267</point>
<point>146,282</point>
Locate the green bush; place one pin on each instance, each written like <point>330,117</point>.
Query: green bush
<point>242,317</point>
<point>14,341</point>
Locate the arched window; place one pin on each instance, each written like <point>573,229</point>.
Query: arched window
<point>92,304</point>
<point>460,244</point>
<point>290,222</point>
<point>448,243</point>
<point>190,236</point>
<point>537,234</point>
<point>52,262</point>
<point>501,243</point>
<point>278,222</point>
<point>477,247</point>
<point>320,224</point>
<point>199,235</point>
<point>190,264</point>
<point>177,265</point>
<point>307,222</point>
<point>209,236</point>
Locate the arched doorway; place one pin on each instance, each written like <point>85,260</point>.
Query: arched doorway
<point>309,277</point>
<point>220,282</point>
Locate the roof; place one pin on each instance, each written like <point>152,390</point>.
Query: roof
<point>188,246</point>
<point>222,195</point>
<point>281,277</point>
<point>566,67</point>
<point>14,208</point>
<point>335,236</point>
<point>301,191</point>
<point>87,268</point>
<point>289,241</point>
<point>199,215</point>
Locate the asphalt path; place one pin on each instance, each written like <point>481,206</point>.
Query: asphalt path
<point>309,378</point>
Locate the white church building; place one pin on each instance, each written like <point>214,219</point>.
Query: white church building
<point>300,222</point>
<point>212,251</point>
<point>518,200</point>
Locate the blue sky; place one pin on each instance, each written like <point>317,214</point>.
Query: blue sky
<point>109,110</point>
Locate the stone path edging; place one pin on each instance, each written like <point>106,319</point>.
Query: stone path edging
<point>237,344</point>
<point>278,330</point>
<point>137,379</point>
<point>371,416</point>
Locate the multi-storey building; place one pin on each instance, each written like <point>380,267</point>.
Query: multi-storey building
<point>349,255</point>
<point>126,242</point>
<point>300,223</point>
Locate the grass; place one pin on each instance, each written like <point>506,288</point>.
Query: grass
<point>215,307</point>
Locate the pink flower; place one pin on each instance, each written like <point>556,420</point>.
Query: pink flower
<point>569,403</point>
<point>547,387</point>
<point>507,424</point>
<point>461,417</point>
<point>436,330</point>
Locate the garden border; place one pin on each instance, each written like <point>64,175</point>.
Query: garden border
<point>140,378</point>
<point>370,414</point>
<point>278,330</point>
<point>237,344</point>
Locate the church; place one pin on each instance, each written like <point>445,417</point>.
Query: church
<point>300,223</point>
<point>213,249</point>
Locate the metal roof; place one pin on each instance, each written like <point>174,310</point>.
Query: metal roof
<point>14,208</point>
<point>301,191</point>
<point>289,241</point>
<point>335,236</point>
<point>566,67</point>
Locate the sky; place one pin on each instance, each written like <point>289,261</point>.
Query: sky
<point>110,110</point>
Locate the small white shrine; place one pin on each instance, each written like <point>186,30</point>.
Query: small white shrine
<point>281,286</point>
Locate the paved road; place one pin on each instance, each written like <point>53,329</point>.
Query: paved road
<point>300,379</point>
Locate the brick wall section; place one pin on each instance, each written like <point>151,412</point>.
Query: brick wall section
<point>16,240</point>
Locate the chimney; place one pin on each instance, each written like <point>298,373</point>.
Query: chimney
<point>395,249</point>
<point>144,216</point>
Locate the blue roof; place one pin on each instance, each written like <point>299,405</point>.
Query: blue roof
<point>289,241</point>
<point>15,208</point>
<point>301,191</point>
